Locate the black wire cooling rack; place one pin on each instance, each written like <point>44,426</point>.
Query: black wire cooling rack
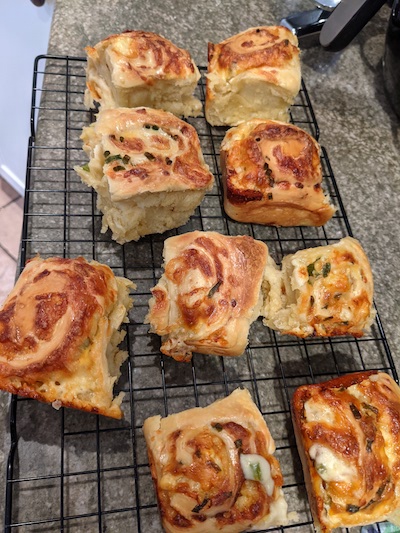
<point>70,471</point>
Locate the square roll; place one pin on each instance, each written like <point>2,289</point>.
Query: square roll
<point>213,468</point>
<point>147,168</point>
<point>324,291</point>
<point>255,74</point>
<point>209,294</point>
<point>59,334</point>
<point>271,173</point>
<point>347,432</point>
<point>141,68</point>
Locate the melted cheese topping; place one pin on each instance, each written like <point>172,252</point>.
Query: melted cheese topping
<point>198,459</point>
<point>257,468</point>
<point>209,294</point>
<point>330,467</point>
<point>139,151</point>
<point>352,455</point>
<point>58,334</point>
<point>273,165</point>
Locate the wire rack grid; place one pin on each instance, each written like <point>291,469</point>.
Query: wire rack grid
<point>70,471</point>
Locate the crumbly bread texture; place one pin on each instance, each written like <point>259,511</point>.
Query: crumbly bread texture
<point>209,294</point>
<point>147,168</point>
<point>347,432</point>
<point>255,74</point>
<point>324,291</point>
<point>59,334</point>
<point>271,173</point>
<point>213,468</point>
<point>139,68</point>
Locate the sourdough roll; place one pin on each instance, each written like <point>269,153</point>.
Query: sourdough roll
<point>254,74</point>
<point>347,432</point>
<point>209,294</point>
<point>213,468</point>
<point>147,168</point>
<point>59,334</point>
<point>325,291</point>
<point>271,173</point>
<point>141,68</point>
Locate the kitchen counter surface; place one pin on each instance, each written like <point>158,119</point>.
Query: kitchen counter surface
<point>358,127</point>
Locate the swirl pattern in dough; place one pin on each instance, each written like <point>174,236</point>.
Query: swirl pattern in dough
<point>209,294</point>
<point>59,334</point>
<point>324,291</point>
<point>214,469</point>
<point>272,174</point>
<point>147,168</point>
<point>254,74</point>
<point>141,68</point>
<point>347,431</point>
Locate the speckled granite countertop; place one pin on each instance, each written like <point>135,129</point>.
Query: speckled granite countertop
<point>358,128</point>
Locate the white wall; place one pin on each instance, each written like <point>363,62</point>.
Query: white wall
<point>24,34</point>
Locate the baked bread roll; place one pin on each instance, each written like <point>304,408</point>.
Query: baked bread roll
<point>347,432</point>
<point>140,68</point>
<point>271,173</point>
<point>255,74</point>
<point>324,291</point>
<point>213,468</point>
<point>209,294</point>
<point>147,168</point>
<point>59,334</point>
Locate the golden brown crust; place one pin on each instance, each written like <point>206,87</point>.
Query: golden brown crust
<point>54,329</point>
<point>140,57</point>
<point>136,68</point>
<point>263,59</point>
<point>265,46</point>
<point>208,295</point>
<point>195,461</point>
<point>326,291</point>
<point>348,434</point>
<point>146,150</point>
<point>272,175</point>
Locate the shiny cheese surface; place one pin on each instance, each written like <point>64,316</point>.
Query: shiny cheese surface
<point>58,327</point>
<point>352,456</point>
<point>208,295</point>
<point>272,175</point>
<point>138,57</point>
<point>199,462</point>
<point>266,50</point>
<point>142,150</point>
<point>327,291</point>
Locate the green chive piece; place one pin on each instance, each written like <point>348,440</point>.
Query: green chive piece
<point>352,508</point>
<point>217,426</point>
<point>256,471</point>
<point>326,269</point>
<point>214,289</point>
<point>149,156</point>
<point>238,443</point>
<point>126,159</point>
<point>112,158</point>
<point>106,153</point>
<point>199,507</point>
<point>270,196</point>
<point>118,168</point>
<point>85,168</point>
<point>121,139</point>
<point>147,126</point>
<point>155,127</point>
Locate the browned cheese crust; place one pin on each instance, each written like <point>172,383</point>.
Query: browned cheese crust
<point>257,71</point>
<point>209,294</point>
<point>137,68</point>
<point>348,435</point>
<point>272,175</point>
<point>140,57</point>
<point>54,330</point>
<point>157,152</point>
<point>195,461</point>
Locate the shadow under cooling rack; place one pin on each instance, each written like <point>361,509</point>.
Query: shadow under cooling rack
<point>70,471</point>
